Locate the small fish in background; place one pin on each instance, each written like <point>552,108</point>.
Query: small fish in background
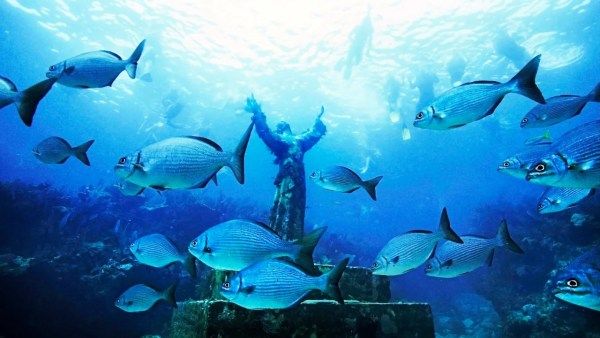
<point>236,244</point>
<point>342,179</point>
<point>573,161</point>
<point>539,140</point>
<point>579,282</point>
<point>129,189</point>
<point>452,259</point>
<point>56,150</point>
<point>506,46</point>
<point>558,199</point>
<point>140,298</point>
<point>182,163</point>
<point>95,69</point>
<point>473,101</point>
<point>411,249</point>
<point>519,164</point>
<point>26,100</point>
<point>157,251</point>
<point>558,108</point>
<point>275,284</point>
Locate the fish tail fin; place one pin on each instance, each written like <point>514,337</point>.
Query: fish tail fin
<point>370,185</point>
<point>504,238</point>
<point>81,152</point>
<point>28,100</point>
<point>524,81</point>
<point>189,262</point>
<point>307,247</point>
<point>595,94</point>
<point>446,230</point>
<point>332,287</point>
<point>131,66</point>
<point>236,163</point>
<point>169,294</point>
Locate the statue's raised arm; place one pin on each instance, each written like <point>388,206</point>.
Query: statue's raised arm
<point>273,140</point>
<point>310,137</point>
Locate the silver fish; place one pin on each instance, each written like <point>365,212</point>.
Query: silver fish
<point>140,297</point>
<point>182,163</point>
<point>558,199</point>
<point>579,282</point>
<point>157,251</point>
<point>409,250</point>
<point>275,284</point>
<point>55,150</point>
<point>236,244</point>
<point>26,100</point>
<point>519,164</point>
<point>472,101</point>
<point>451,259</point>
<point>342,179</point>
<point>558,109</point>
<point>573,161</point>
<point>95,69</point>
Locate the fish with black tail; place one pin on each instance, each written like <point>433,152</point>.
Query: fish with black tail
<point>558,108</point>
<point>452,259</point>
<point>473,101</point>
<point>157,251</point>
<point>95,69</point>
<point>182,163</point>
<point>409,250</point>
<point>26,100</point>
<point>558,199</point>
<point>275,284</point>
<point>140,298</point>
<point>573,161</point>
<point>236,244</point>
<point>579,282</point>
<point>56,150</point>
<point>342,179</point>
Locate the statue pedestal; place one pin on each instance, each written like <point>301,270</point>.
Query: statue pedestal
<point>312,318</point>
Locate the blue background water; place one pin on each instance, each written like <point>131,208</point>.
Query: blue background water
<point>289,56</point>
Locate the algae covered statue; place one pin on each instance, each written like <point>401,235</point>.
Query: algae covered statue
<point>287,214</point>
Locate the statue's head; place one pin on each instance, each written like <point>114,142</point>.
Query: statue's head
<point>283,128</point>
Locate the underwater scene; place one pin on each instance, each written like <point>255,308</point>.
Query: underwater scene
<point>299,168</point>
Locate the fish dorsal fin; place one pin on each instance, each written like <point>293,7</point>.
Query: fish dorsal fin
<point>8,83</point>
<point>479,82</point>
<point>419,232</point>
<point>207,141</point>
<point>111,53</point>
<point>264,226</point>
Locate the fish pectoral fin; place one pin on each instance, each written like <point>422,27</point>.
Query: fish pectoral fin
<point>204,183</point>
<point>139,166</point>
<point>248,289</point>
<point>585,166</point>
<point>158,187</point>
<point>457,126</point>
<point>63,161</point>
<point>490,258</point>
<point>447,263</point>
<point>395,259</point>
<point>69,70</point>
<point>439,116</point>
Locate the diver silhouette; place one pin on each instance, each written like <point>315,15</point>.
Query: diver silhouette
<point>287,214</point>
<point>360,43</point>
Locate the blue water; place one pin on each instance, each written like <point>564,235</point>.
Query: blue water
<point>293,59</point>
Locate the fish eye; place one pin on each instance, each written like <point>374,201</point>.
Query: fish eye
<point>52,68</point>
<point>132,244</point>
<point>524,120</point>
<point>226,285</point>
<point>314,174</point>
<point>122,160</point>
<point>506,164</point>
<point>540,167</point>
<point>420,115</point>
<point>194,243</point>
<point>572,283</point>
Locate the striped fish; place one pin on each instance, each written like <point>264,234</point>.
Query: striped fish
<point>518,165</point>
<point>275,284</point>
<point>140,297</point>
<point>157,251</point>
<point>26,100</point>
<point>236,244</point>
<point>342,179</point>
<point>573,161</point>
<point>95,69</point>
<point>472,101</point>
<point>409,250</point>
<point>558,109</point>
<point>182,163</point>
<point>558,199</point>
<point>451,259</point>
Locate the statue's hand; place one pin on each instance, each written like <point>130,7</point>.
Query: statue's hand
<point>321,113</point>
<point>252,106</point>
